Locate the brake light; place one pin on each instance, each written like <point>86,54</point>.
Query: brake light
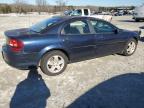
<point>16,45</point>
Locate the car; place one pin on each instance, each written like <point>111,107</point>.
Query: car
<point>138,13</point>
<point>142,27</point>
<point>119,13</point>
<point>55,42</point>
<point>85,12</point>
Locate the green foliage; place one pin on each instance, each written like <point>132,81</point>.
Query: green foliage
<point>5,9</point>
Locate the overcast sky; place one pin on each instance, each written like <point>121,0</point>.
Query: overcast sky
<point>90,2</point>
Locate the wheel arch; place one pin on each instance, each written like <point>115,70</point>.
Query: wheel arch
<point>53,49</point>
<point>136,39</point>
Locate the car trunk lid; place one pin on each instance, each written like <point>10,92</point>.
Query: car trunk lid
<point>17,33</point>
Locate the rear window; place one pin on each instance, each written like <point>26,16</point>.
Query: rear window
<point>38,27</point>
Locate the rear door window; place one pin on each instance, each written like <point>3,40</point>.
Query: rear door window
<point>76,28</point>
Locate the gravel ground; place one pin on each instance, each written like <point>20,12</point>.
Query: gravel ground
<point>113,81</point>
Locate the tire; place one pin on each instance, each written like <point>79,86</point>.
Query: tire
<point>50,63</point>
<point>137,20</point>
<point>130,51</point>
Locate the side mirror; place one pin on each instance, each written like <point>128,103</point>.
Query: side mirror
<point>116,31</point>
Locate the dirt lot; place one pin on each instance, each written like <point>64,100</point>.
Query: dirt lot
<point>114,81</point>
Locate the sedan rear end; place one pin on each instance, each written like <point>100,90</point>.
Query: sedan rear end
<point>13,50</point>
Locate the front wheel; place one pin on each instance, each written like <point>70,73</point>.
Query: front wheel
<point>54,63</point>
<point>130,47</point>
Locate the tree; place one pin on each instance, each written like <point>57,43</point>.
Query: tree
<point>8,9</point>
<point>41,4</point>
<point>70,7</point>
<point>19,5</point>
<point>61,4</point>
<point>5,9</point>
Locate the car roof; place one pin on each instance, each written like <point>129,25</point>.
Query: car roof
<point>63,18</point>
<point>66,18</point>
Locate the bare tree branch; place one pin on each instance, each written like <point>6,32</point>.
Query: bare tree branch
<point>19,5</point>
<point>41,5</point>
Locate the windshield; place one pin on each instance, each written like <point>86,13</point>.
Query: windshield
<point>76,13</point>
<point>38,27</point>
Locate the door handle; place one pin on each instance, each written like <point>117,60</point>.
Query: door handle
<point>101,37</point>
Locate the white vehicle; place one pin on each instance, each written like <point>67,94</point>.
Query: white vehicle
<point>87,12</point>
<point>139,13</point>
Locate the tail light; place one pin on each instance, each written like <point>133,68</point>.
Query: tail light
<point>16,45</point>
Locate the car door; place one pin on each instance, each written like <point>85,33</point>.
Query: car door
<point>78,40</point>
<point>107,38</point>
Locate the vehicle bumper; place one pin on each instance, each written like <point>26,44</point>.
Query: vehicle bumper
<point>19,60</point>
<point>138,18</point>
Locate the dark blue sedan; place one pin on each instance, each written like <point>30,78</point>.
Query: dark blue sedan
<point>55,42</point>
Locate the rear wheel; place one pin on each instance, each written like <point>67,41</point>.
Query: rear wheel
<point>130,47</point>
<point>54,63</point>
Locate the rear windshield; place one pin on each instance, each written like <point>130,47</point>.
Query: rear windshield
<point>38,27</point>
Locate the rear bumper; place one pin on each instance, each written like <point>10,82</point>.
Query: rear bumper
<point>19,60</point>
